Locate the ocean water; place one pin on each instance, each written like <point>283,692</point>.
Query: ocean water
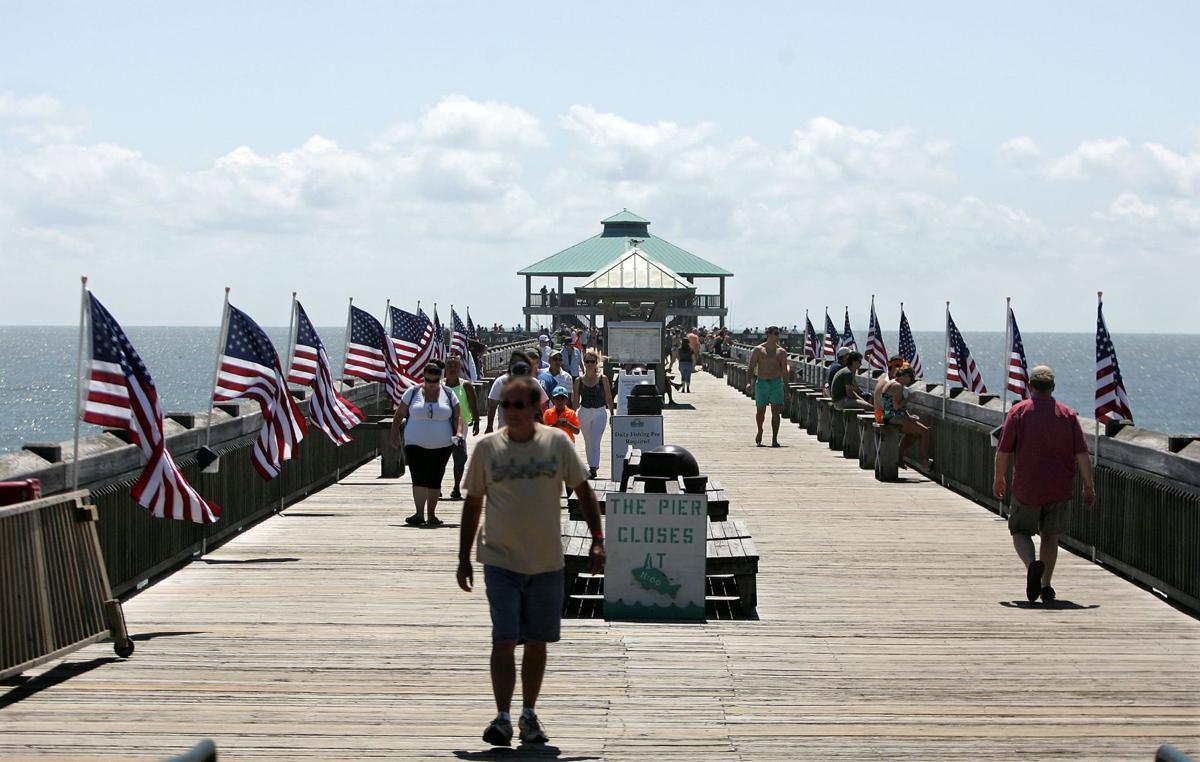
<point>37,372</point>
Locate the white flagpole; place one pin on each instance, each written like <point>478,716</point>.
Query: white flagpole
<point>291,348</point>
<point>946,362</point>
<point>213,465</point>
<point>79,384</point>
<point>387,337</point>
<point>1006,356</point>
<point>346,345</point>
<point>1096,448</point>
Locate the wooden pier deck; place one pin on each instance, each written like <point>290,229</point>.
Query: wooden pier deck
<point>893,626</point>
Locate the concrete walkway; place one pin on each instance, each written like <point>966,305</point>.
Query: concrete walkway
<point>893,626</point>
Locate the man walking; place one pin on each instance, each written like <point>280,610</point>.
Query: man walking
<point>1045,437</point>
<point>520,470</point>
<point>768,364</point>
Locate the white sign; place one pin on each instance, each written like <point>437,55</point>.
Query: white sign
<point>655,546</point>
<point>625,384</point>
<point>645,432</point>
<point>635,342</point>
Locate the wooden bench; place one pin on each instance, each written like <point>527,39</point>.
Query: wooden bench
<point>824,418</point>
<point>850,432</point>
<point>887,452</point>
<point>718,500</point>
<point>630,467</point>
<point>729,550</point>
<point>866,442</point>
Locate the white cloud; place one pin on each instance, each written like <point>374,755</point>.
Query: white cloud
<point>1019,151</point>
<point>1150,166</point>
<point>38,119</point>
<point>448,205</point>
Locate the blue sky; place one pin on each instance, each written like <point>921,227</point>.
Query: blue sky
<point>921,151</point>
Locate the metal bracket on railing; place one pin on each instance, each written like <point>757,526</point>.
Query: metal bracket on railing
<point>86,512</point>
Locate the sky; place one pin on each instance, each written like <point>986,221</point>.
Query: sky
<point>920,152</point>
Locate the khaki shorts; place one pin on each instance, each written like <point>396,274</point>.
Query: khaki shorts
<point>1052,518</point>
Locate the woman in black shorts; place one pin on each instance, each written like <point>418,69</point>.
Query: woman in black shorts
<point>428,414</point>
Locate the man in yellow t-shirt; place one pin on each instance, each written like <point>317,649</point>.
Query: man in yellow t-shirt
<point>520,470</point>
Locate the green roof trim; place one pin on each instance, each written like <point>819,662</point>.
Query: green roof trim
<point>624,216</point>
<point>587,257</point>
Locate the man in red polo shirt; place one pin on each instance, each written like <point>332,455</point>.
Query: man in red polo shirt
<point>1047,441</point>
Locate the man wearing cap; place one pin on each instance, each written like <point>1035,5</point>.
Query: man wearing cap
<point>1043,442</point>
<point>544,348</point>
<point>560,415</point>
<point>495,410</point>
<point>838,364</point>
<point>554,375</point>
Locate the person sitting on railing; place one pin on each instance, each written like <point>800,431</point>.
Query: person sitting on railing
<point>896,413</point>
<point>832,370</point>
<point>895,363</point>
<point>844,390</point>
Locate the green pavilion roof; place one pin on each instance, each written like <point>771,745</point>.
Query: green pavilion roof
<point>586,257</point>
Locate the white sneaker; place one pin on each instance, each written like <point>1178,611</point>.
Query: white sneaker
<point>499,733</point>
<point>531,729</point>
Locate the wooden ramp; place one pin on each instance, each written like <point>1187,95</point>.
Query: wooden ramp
<point>893,627</point>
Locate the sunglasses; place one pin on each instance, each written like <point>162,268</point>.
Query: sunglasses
<point>514,404</point>
<point>589,362</point>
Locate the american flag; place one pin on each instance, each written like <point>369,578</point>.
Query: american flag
<point>412,337</point>
<point>828,347</point>
<point>122,395</point>
<point>439,337</point>
<point>960,365</point>
<point>810,339</point>
<point>877,355</point>
<point>460,345</point>
<point>847,339</point>
<point>471,334</point>
<point>1112,403</point>
<point>908,347</point>
<point>371,357</point>
<point>250,368</point>
<point>1018,369</point>
<point>332,412</point>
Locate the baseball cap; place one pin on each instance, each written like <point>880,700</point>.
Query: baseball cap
<point>543,337</point>
<point>843,351</point>
<point>560,391</point>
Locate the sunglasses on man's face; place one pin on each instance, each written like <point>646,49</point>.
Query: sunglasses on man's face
<point>514,404</point>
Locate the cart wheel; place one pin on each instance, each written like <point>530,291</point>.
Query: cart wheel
<point>124,651</point>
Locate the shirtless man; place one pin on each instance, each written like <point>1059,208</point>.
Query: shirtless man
<point>768,364</point>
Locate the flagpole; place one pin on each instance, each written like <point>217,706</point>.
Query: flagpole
<point>79,387</point>
<point>387,337</point>
<point>291,348</point>
<point>946,361</point>
<point>217,369</point>
<point>346,345</point>
<point>1006,355</point>
<point>1096,447</point>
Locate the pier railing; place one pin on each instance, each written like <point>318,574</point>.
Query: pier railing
<point>57,596</point>
<point>1146,524</point>
<point>136,546</point>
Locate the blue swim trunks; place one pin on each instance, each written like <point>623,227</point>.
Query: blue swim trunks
<point>768,391</point>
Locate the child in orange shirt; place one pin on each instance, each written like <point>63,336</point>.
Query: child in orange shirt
<point>561,416</point>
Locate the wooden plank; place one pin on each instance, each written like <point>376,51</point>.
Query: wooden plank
<point>892,627</point>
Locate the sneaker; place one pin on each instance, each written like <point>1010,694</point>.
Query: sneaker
<point>1048,594</point>
<point>499,733</point>
<point>531,729</point>
<point>1033,580</point>
<point>591,473</point>
<point>455,495</point>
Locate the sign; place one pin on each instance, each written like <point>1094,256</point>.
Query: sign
<point>656,553</point>
<point>645,432</point>
<point>625,384</point>
<point>635,342</point>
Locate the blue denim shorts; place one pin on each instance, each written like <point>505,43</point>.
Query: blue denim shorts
<point>524,606</point>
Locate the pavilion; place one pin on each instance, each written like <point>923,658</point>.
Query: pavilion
<point>629,273</point>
